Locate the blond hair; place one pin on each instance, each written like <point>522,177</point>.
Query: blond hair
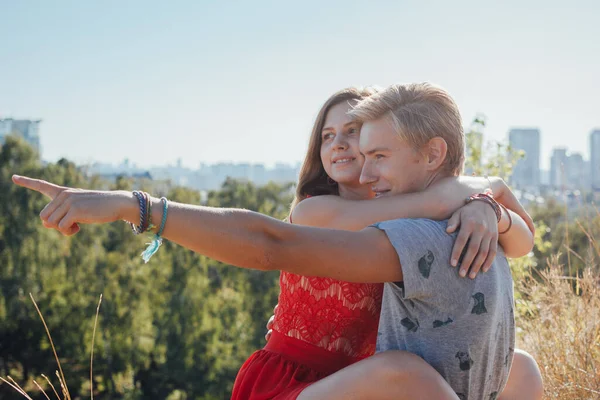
<point>419,112</point>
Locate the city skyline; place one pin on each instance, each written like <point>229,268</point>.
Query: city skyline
<point>215,82</point>
<point>561,157</point>
<point>547,167</point>
<point>569,171</point>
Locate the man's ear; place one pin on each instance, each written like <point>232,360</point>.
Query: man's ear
<point>435,153</point>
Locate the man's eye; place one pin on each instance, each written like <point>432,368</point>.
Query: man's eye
<point>353,130</point>
<point>379,156</point>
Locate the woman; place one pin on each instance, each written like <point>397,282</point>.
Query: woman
<point>297,363</point>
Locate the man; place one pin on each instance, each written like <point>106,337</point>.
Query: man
<point>411,137</point>
<point>463,328</point>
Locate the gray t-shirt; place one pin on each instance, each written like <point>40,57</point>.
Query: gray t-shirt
<point>464,328</point>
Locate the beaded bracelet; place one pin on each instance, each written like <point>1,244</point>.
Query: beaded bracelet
<point>489,199</point>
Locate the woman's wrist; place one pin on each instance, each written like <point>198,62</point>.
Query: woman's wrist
<point>487,197</point>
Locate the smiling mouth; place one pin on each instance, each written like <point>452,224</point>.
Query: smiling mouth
<point>381,193</point>
<point>344,160</point>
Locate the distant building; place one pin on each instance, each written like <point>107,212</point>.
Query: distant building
<point>595,159</point>
<point>558,162</point>
<point>575,172</point>
<point>544,177</point>
<point>526,173</point>
<point>207,177</point>
<point>24,128</point>
<point>586,174</point>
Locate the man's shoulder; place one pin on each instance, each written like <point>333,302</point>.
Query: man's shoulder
<point>413,234</point>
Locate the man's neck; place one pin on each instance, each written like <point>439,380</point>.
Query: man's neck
<point>436,177</point>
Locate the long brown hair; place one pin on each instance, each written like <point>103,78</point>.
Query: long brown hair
<point>313,180</point>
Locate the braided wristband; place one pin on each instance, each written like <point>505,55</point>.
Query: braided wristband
<point>137,229</point>
<point>487,198</point>
<point>148,220</point>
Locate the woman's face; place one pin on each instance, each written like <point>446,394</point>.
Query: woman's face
<point>340,154</point>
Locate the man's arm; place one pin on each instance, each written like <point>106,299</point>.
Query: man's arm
<point>251,240</point>
<point>239,237</point>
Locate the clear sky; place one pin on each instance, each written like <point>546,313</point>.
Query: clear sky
<point>208,81</point>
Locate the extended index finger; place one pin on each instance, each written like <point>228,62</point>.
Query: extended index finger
<point>46,188</point>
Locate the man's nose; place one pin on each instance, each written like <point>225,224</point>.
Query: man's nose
<point>366,175</point>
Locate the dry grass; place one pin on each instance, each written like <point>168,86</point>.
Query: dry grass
<point>558,318</point>
<point>59,373</point>
<point>559,323</point>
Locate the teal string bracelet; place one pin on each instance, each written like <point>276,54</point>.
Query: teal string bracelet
<point>154,245</point>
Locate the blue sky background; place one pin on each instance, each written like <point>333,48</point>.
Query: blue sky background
<point>209,81</point>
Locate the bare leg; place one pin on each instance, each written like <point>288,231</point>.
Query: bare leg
<point>393,375</point>
<point>524,379</point>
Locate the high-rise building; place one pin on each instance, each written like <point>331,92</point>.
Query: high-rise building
<point>575,172</point>
<point>595,159</point>
<point>558,163</point>
<point>586,174</point>
<point>526,173</point>
<point>25,128</point>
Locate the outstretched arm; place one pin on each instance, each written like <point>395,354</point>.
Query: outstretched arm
<point>239,237</point>
<point>252,240</point>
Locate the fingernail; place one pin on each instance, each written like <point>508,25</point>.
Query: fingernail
<point>463,272</point>
<point>472,276</point>
<point>454,262</point>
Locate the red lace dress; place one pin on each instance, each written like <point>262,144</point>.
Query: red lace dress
<point>338,316</point>
<point>321,326</point>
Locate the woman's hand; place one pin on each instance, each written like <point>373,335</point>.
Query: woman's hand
<point>70,206</point>
<point>479,229</point>
<point>270,323</point>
